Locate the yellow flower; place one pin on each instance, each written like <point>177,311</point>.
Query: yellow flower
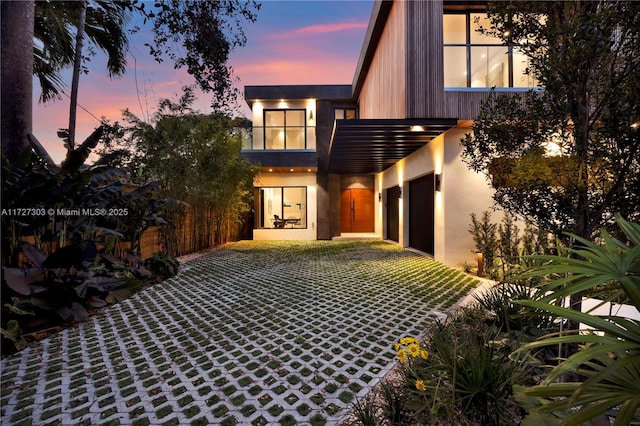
<point>414,350</point>
<point>404,341</point>
<point>420,385</point>
<point>409,340</point>
<point>397,346</point>
<point>402,355</point>
<point>424,354</point>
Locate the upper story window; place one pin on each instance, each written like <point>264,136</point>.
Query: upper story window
<point>473,58</point>
<point>345,113</point>
<point>285,129</point>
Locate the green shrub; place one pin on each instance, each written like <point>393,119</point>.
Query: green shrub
<point>394,403</point>
<point>466,375</point>
<point>365,412</point>
<point>162,265</point>
<point>516,320</point>
<point>477,365</point>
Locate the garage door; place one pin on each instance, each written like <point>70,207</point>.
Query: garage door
<point>421,214</point>
<point>393,215</point>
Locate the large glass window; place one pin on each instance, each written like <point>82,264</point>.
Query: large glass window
<point>473,58</point>
<point>281,207</point>
<point>285,129</point>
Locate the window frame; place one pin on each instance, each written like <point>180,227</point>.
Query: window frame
<point>265,127</point>
<point>468,46</point>
<point>344,113</point>
<point>265,218</point>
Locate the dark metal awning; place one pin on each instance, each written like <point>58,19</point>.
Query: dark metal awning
<point>372,145</point>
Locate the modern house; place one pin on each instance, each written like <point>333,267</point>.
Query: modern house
<point>382,155</point>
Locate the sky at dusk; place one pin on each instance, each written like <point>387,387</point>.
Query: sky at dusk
<point>292,42</point>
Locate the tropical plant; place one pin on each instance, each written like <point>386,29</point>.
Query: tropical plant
<point>162,265</point>
<point>59,288</point>
<point>516,320</point>
<point>608,363</point>
<point>13,333</point>
<point>193,34</point>
<point>74,216</point>
<point>477,365</point>
<point>71,199</point>
<point>55,29</point>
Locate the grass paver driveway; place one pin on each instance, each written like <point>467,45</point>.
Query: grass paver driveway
<point>257,332</point>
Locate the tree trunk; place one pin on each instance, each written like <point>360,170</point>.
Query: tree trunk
<point>75,81</point>
<point>16,75</point>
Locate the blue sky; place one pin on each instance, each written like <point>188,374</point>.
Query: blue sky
<point>292,42</point>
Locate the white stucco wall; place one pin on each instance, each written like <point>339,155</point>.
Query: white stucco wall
<point>427,159</point>
<point>462,192</point>
<point>291,179</point>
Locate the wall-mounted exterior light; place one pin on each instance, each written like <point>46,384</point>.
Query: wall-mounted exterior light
<point>438,182</point>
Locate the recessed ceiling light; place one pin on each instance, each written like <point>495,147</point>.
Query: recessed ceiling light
<point>290,170</point>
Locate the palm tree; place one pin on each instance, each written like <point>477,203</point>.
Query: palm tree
<point>55,27</point>
<point>16,38</point>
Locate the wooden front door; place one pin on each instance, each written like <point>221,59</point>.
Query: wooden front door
<point>357,210</point>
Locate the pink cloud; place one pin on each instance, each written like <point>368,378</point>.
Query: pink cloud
<point>332,27</point>
<point>268,72</point>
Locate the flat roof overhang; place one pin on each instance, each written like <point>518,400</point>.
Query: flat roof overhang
<point>288,92</point>
<point>365,146</point>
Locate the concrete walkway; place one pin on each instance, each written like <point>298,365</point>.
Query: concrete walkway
<point>255,333</point>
